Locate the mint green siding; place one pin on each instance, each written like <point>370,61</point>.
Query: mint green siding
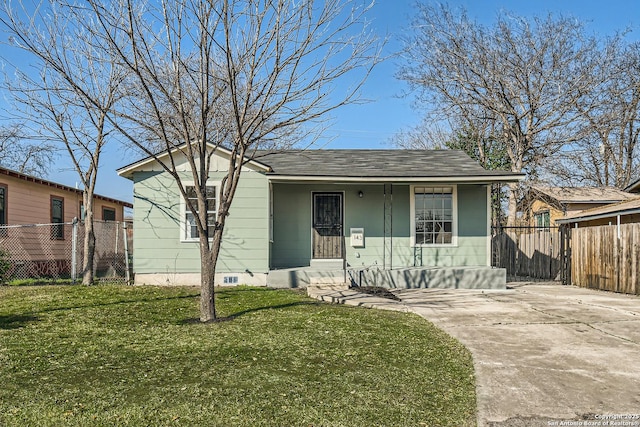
<point>158,245</point>
<point>291,246</point>
<point>368,213</point>
<point>471,248</point>
<point>292,203</point>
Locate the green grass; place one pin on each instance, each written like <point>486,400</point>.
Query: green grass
<point>118,355</point>
<point>40,281</point>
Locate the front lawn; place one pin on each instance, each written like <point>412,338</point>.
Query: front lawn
<point>119,355</point>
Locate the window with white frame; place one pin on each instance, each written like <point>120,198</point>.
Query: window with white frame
<point>190,227</point>
<point>433,213</point>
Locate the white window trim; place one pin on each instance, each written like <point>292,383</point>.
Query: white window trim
<point>454,225</point>
<point>183,210</point>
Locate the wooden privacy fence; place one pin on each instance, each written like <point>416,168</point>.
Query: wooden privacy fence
<point>527,252</point>
<point>606,257</point>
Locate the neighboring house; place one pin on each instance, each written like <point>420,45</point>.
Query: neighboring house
<point>626,212</point>
<point>547,205</point>
<point>25,199</point>
<point>46,250</point>
<point>399,218</point>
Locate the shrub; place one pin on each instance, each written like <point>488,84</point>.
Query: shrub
<point>5,266</point>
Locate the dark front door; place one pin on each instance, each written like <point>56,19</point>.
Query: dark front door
<point>328,237</point>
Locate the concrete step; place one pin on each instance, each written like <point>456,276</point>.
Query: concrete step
<point>324,288</point>
<point>355,298</point>
<point>330,286</point>
<point>327,264</point>
<point>326,280</point>
<point>303,277</point>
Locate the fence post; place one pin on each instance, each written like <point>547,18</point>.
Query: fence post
<point>114,261</point>
<point>565,254</point>
<point>74,249</point>
<point>126,253</point>
<point>618,260</point>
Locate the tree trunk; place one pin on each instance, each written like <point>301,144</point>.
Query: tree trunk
<point>512,204</point>
<point>208,262</point>
<point>89,241</point>
<point>207,289</point>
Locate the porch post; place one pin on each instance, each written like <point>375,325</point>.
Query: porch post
<point>388,227</point>
<point>74,250</point>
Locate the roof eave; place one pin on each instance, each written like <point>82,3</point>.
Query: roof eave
<point>128,170</point>
<point>580,202</point>
<point>633,186</point>
<point>598,216</point>
<point>376,179</point>
<point>34,179</point>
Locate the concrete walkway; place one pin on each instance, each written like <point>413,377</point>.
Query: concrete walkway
<point>544,354</point>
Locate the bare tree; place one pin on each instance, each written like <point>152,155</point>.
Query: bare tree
<point>526,75</point>
<point>67,100</point>
<point>22,153</point>
<point>424,136</point>
<point>233,74</point>
<point>475,137</point>
<point>606,153</point>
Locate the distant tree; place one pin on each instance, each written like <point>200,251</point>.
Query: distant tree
<point>607,152</point>
<point>526,75</point>
<point>236,74</point>
<point>424,136</point>
<point>21,153</point>
<point>476,138</point>
<point>481,143</point>
<point>67,100</point>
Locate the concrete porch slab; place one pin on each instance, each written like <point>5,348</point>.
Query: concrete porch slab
<point>401,278</point>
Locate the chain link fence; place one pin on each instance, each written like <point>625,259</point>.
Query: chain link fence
<point>55,251</point>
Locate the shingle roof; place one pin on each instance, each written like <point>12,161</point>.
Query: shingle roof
<point>375,163</point>
<point>35,179</point>
<point>368,165</point>
<point>584,194</point>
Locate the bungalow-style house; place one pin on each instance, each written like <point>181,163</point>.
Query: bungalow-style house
<point>26,199</point>
<point>397,218</point>
<point>44,251</point>
<point>547,205</point>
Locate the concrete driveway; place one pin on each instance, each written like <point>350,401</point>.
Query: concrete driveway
<point>544,354</point>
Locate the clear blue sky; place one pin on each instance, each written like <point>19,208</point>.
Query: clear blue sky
<point>373,124</point>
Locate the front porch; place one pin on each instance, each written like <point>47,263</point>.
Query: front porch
<point>476,277</point>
